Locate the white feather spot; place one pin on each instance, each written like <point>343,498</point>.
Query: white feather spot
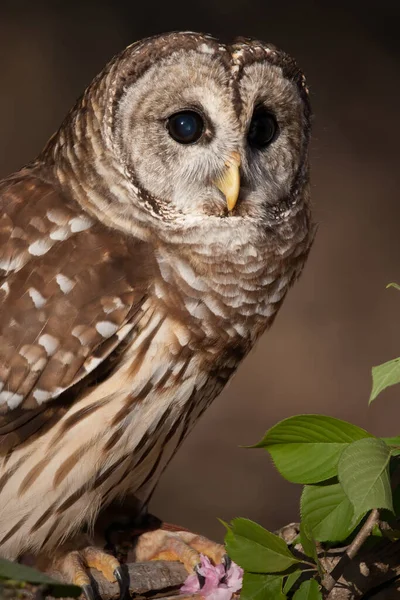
<point>206,49</point>
<point>6,288</point>
<point>49,343</point>
<point>40,247</point>
<point>66,284</point>
<point>41,395</point>
<point>13,400</point>
<point>92,363</point>
<point>60,234</point>
<point>106,328</point>
<point>38,300</point>
<point>80,223</point>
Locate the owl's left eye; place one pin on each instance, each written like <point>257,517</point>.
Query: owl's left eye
<point>263,129</point>
<point>185,127</point>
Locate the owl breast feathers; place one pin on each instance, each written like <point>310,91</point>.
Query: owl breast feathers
<point>141,255</point>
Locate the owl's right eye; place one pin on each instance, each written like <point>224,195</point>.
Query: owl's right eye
<point>185,127</point>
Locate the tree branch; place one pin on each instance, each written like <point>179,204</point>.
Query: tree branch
<point>150,578</point>
<point>331,578</point>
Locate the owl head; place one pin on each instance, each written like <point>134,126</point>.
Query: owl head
<point>181,133</point>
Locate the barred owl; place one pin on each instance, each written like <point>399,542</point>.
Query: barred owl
<point>142,254</point>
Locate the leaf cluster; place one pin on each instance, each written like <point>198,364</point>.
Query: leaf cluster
<point>345,471</point>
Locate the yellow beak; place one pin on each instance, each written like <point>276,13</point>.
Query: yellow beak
<point>229,181</point>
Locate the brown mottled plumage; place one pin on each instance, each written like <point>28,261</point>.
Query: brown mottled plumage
<point>129,293</point>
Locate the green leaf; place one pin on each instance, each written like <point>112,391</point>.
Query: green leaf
<point>291,580</point>
<point>328,512</point>
<point>384,376</point>
<point>18,572</point>
<point>306,448</point>
<point>394,443</point>
<point>308,542</point>
<point>364,475</point>
<point>309,590</point>
<point>262,587</point>
<point>396,286</point>
<point>391,441</point>
<point>257,550</point>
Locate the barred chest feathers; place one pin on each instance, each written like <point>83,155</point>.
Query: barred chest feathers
<point>200,317</point>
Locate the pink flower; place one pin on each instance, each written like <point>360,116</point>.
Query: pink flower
<point>219,585</point>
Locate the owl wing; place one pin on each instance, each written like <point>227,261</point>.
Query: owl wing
<point>67,306</point>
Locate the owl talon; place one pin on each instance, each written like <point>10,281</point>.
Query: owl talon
<point>227,562</point>
<point>122,578</point>
<point>200,577</point>
<point>88,592</point>
<point>75,567</point>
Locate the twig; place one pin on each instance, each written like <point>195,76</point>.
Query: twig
<point>330,579</point>
<point>151,578</point>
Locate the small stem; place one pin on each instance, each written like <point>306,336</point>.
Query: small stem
<point>314,570</point>
<point>310,564</point>
<point>331,578</point>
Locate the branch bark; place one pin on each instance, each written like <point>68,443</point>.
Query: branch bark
<point>359,573</point>
<point>159,578</point>
<point>148,580</point>
<point>373,573</point>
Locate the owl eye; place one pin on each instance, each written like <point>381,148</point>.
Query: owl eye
<point>263,129</point>
<point>185,127</point>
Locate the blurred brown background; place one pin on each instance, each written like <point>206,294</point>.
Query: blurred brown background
<point>339,320</point>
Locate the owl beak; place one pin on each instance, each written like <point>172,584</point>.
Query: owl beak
<point>229,182</point>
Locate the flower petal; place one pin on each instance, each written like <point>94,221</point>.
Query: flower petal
<point>234,577</point>
<point>221,593</point>
<point>191,585</point>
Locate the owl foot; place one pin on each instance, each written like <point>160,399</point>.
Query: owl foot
<point>182,546</point>
<point>75,566</point>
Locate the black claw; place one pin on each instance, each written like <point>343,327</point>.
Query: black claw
<point>122,576</point>
<point>88,592</point>
<point>200,577</point>
<point>227,562</point>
